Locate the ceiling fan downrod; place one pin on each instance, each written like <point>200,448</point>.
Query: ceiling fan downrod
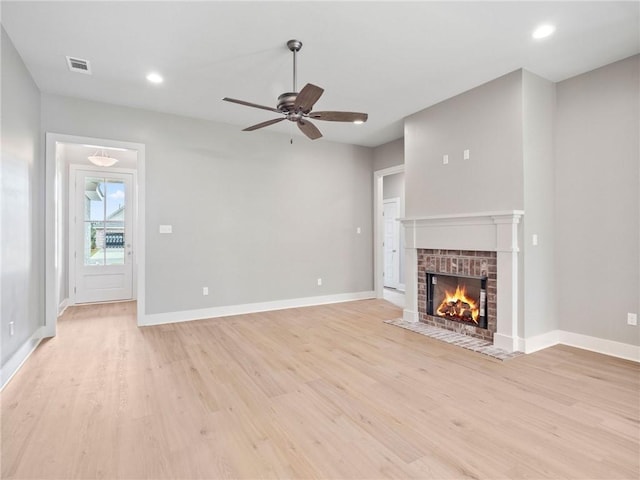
<point>295,46</point>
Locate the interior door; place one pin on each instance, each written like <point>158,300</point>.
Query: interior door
<point>103,237</point>
<point>391,212</point>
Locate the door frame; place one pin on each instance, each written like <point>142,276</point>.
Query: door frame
<point>54,201</point>
<point>72,232</point>
<point>378,227</point>
<point>396,265</point>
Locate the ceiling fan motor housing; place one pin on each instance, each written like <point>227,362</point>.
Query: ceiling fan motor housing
<point>286,102</point>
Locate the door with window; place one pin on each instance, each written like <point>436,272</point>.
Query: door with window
<point>102,236</point>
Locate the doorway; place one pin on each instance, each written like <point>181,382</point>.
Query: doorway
<point>101,234</point>
<point>388,185</point>
<point>102,241</point>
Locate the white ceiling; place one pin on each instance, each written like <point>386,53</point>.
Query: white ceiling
<point>389,59</point>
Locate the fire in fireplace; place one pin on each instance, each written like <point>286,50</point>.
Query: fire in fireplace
<point>459,298</point>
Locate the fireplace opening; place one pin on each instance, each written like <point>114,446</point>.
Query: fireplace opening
<point>458,298</point>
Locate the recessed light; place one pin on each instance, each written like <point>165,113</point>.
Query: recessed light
<point>543,31</point>
<point>155,78</point>
<point>358,122</point>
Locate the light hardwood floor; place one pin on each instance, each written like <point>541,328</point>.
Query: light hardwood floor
<point>320,392</point>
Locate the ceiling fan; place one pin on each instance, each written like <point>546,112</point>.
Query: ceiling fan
<point>298,106</point>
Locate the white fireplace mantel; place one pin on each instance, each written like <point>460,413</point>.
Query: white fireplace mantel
<point>488,231</point>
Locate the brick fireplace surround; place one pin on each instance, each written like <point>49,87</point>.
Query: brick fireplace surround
<point>455,243</point>
<point>460,262</point>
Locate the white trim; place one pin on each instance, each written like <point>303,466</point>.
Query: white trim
<point>72,213</point>
<point>401,287</point>
<point>62,306</point>
<point>585,342</point>
<point>53,195</point>
<point>396,265</point>
<point>489,231</point>
<point>11,366</point>
<point>228,310</point>
<point>601,345</point>
<point>461,216</point>
<point>378,228</point>
<point>410,316</point>
<point>540,342</point>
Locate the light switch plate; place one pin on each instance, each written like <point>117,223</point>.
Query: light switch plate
<point>166,228</point>
<point>632,319</point>
<point>445,159</point>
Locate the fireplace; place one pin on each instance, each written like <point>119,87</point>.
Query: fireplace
<point>458,298</point>
<point>462,285</point>
<point>483,244</point>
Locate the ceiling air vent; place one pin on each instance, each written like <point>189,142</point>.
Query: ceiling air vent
<point>78,65</point>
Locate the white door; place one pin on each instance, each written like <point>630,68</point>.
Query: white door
<point>102,236</point>
<point>391,212</point>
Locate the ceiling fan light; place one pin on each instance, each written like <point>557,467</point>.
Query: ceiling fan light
<point>154,77</point>
<point>543,31</point>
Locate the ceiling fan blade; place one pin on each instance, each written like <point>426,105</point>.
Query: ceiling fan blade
<point>307,97</point>
<point>249,104</point>
<point>263,124</point>
<point>340,116</point>
<point>309,129</point>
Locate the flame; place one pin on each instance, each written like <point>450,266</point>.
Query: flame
<point>458,305</point>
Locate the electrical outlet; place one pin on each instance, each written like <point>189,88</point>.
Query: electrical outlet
<point>445,159</point>
<point>205,290</point>
<point>12,330</point>
<point>632,319</point>
<point>319,282</point>
<point>534,239</point>
<point>466,155</point>
<point>358,230</point>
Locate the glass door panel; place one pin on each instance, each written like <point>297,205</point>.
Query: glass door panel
<point>104,221</point>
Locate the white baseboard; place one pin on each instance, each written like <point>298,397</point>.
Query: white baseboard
<point>585,342</point>
<point>410,316</point>
<point>505,342</point>
<point>401,287</point>
<point>63,306</point>
<point>11,367</point>
<point>229,310</point>
<point>600,345</point>
<point>540,342</point>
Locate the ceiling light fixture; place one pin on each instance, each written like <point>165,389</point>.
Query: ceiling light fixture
<point>358,122</point>
<point>543,31</point>
<point>102,160</point>
<point>155,78</point>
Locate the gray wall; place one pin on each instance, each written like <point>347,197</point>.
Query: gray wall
<point>567,154</point>
<point>22,248</point>
<point>538,272</point>
<point>393,186</point>
<point>597,201</point>
<point>254,218</point>
<point>388,155</point>
<point>486,120</point>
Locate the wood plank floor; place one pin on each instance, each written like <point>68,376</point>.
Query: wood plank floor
<point>320,392</point>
